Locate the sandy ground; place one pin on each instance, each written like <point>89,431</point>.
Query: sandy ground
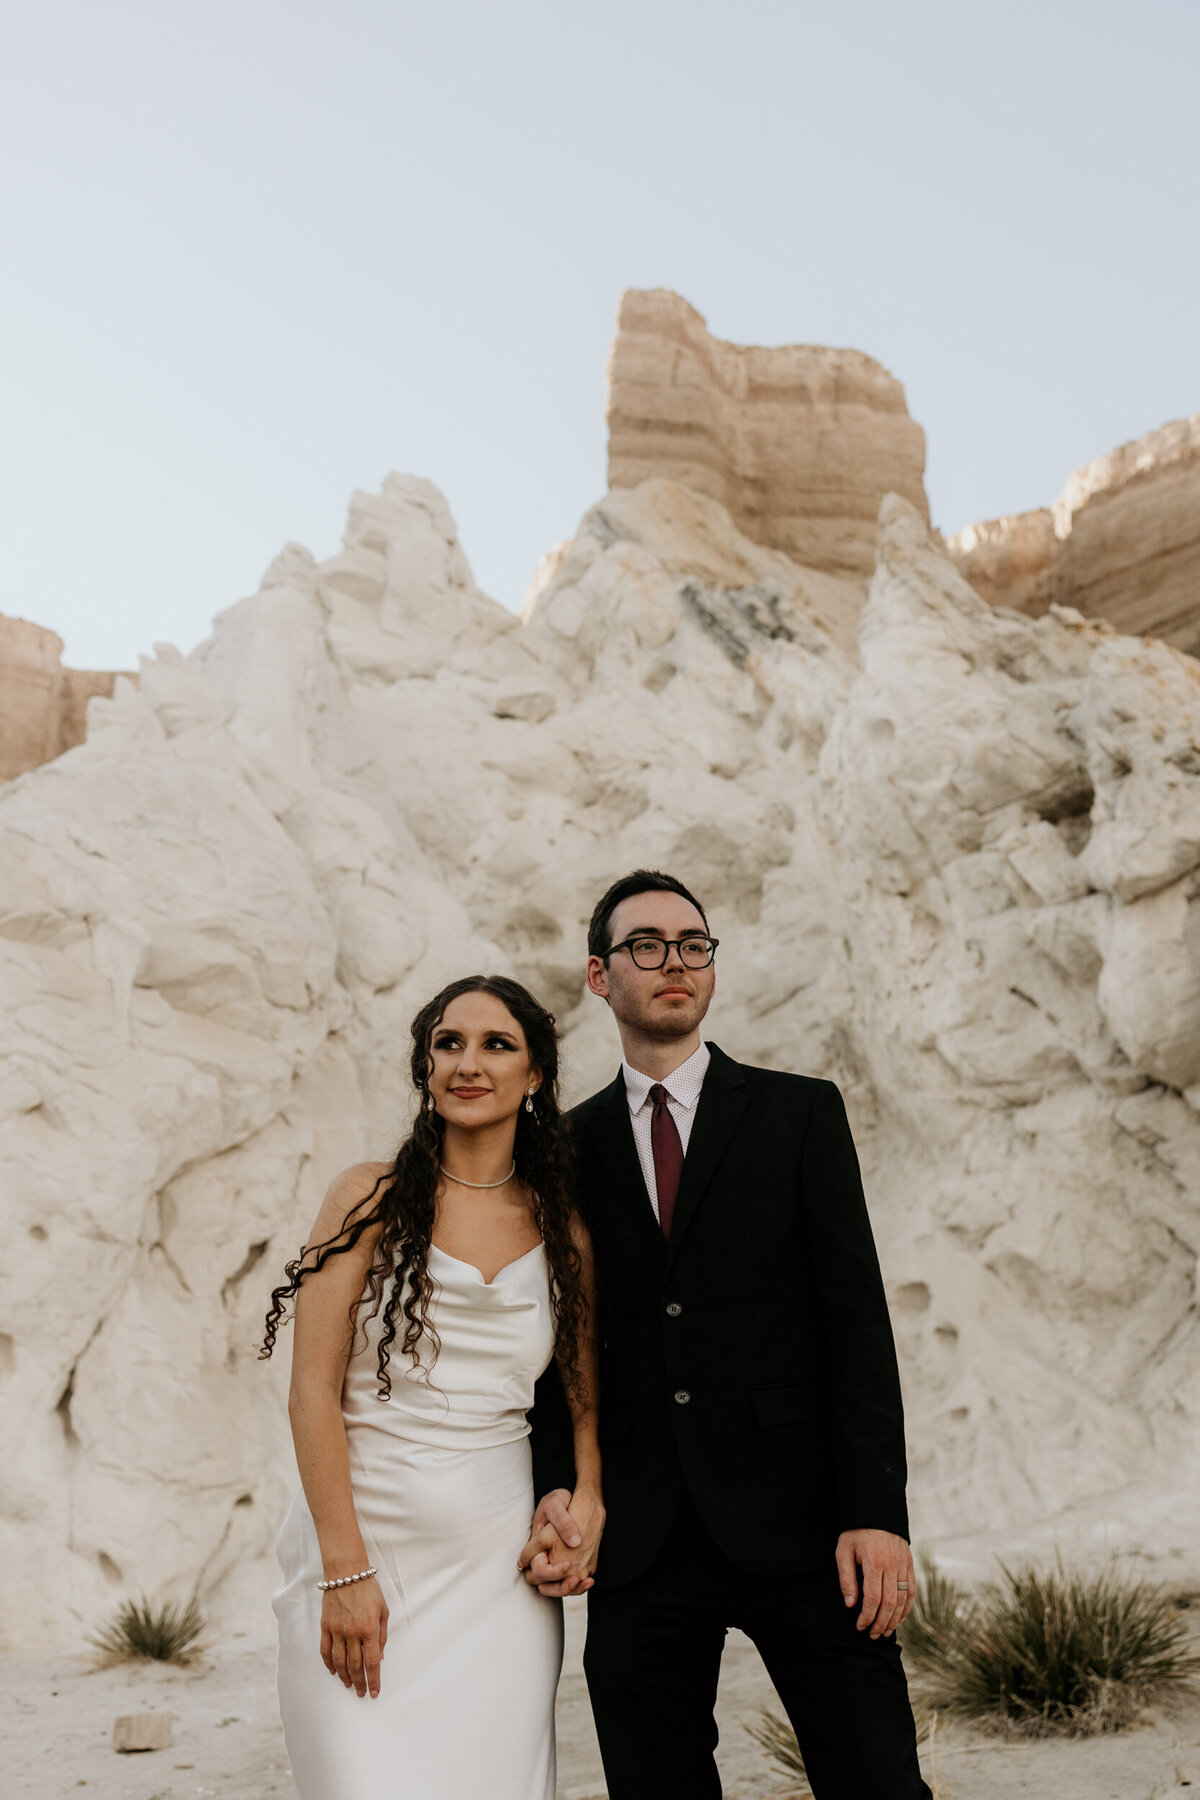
<point>227,1741</point>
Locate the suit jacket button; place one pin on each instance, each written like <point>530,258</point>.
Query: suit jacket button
<point>673,1309</point>
<point>682,1396</point>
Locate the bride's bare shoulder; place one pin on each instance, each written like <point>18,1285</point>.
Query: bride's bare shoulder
<point>361,1176</point>
<point>348,1195</point>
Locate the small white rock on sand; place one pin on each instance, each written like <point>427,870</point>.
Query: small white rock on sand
<point>227,1742</point>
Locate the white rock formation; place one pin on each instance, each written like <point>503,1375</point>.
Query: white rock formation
<point>954,866</point>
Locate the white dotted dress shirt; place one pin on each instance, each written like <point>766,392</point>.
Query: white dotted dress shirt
<point>683,1095</point>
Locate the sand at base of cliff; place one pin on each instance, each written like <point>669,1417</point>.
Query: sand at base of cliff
<point>228,1744</point>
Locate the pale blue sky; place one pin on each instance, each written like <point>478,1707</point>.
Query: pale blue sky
<point>259,254</point>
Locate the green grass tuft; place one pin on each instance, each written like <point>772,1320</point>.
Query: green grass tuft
<point>937,1611</point>
<point>1052,1650</point>
<point>150,1631</point>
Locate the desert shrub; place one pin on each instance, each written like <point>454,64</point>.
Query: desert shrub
<point>150,1631</point>
<point>940,1606</point>
<point>773,1733</point>
<point>1049,1650</point>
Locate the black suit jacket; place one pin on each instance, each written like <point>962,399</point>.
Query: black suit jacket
<point>749,1359</point>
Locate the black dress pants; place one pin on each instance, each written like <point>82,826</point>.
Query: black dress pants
<point>653,1654</point>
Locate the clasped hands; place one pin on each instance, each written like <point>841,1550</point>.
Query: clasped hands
<point>564,1539</point>
<point>564,1543</point>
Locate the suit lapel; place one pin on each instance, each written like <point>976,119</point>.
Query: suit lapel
<point>721,1104</point>
<point>611,1134</point>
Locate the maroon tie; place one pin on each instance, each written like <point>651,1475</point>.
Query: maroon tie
<point>667,1146</point>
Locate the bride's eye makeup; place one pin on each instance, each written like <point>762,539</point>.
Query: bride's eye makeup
<point>450,1040</point>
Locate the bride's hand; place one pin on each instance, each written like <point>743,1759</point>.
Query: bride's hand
<point>354,1622</point>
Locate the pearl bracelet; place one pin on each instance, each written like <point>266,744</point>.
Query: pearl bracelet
<point>345,1580</point>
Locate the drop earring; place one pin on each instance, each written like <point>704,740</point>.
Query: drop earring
<point>529,1101</point>
<point>429,1103</point>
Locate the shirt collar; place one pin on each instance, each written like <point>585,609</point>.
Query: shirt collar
<point>682,1084</point>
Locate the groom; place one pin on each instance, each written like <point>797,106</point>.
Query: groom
<point>751,1420</point>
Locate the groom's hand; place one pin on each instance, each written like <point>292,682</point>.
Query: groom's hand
<point>886,1562</point>
<point>555,1510</point>
<point>552,1532</point>
<point>552,1569</point>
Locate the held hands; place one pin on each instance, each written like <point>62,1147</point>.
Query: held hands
<point>354,1621</point>
<point>885,1560</point>
<point>564,1543</point>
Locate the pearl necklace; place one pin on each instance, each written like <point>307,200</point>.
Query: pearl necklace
<point>480,1184</point>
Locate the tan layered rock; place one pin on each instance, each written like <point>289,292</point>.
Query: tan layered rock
<point>43,707</point>
<point>1121,542</point>
<point>799,444</point>
<point>1012,561</point>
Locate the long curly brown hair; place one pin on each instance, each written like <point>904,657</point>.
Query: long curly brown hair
<point>404,1201</point>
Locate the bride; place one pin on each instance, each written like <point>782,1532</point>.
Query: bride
<point>434,1291</point>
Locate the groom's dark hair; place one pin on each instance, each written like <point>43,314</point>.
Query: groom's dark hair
<point>642,881</point>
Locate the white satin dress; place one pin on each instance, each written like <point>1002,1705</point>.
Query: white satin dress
<point>444,1494</point>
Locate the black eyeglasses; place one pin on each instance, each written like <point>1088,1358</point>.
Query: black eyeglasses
<point>651,952</point>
